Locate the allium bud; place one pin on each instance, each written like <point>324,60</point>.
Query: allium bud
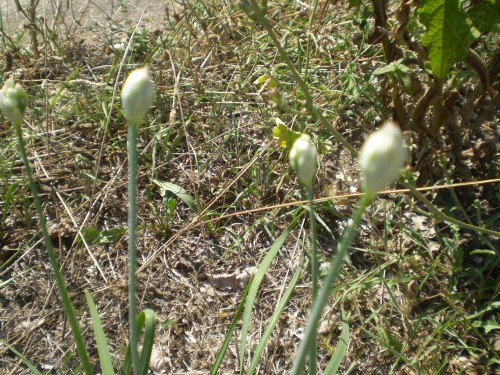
<point>303,158</point>
<point>13,101</point>
<point>381,158</point>
<point>137,95</point>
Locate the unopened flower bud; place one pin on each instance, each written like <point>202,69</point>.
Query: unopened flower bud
<point>137,95</point>
<point>381,158</point>
<point>303,158</point>
<point>13,101</point>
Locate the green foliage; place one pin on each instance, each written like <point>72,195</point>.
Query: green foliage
<point>490,324</point>
<point>207,119</point>
<point>171,188</point>
<point>449,34</point>
<point>274,319</point>
<point>227,339</point>
<point>388,339</point>
<point>397,72</point>
<point>146,320</point>
<point>486,16</point>
<point>341,349</point>
<point>254,288</point>
<point>94,236</point>
<point>283,135</point>
<point>100,336</point>
<point>25,360</point>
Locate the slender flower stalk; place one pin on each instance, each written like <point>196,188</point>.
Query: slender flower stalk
<point>137,98</point>
<point>13,101</point>
<point>303,158</point>
<point>310,333</point>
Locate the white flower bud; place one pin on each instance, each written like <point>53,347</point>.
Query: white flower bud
<point>303,158</point>
<point>13,100</point>
<point>137,95</point>
<point>381,158</point>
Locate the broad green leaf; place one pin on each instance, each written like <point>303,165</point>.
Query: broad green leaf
<point>285,137</point>
<point>100,337</point>
<point>488,325</point>
<point>486,16</point>
<point>449,34</point>
<point>396,70</point>
<point>178,191</point>
<point>392,67</point>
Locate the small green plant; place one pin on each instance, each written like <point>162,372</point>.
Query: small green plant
<point>137,97</point>
<point>13,101</point>
<point>408,279</point>
<point>381,160</point>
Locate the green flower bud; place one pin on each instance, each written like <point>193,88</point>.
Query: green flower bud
<point>137,95</point>
<point>303,158</point>
<point>13,100</point>
<point>381,158</point>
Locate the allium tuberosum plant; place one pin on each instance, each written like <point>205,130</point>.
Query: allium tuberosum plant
<point>381,159</point>
<point>13,103</point>
<point>137,97</point>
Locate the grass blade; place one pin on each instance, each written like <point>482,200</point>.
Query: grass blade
<point>340,350</point>
<point>25,360</point>
<point>254,287</point>
<point>232,327</point>
<point>147,320</point>
<point>100,337</point>
<point>274,319</point>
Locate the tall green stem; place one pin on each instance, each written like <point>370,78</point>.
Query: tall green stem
<point>322,299</point>
<point>314,247</point>
<point>132,241</point>
<point>314,275</point>
<point>67,305</point>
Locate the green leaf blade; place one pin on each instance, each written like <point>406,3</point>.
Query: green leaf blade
<point>486,16</point>
<point>254,288</point>
<point>449,34</point>
<point>100,337</point>
<point>340,351</point>
<point>275,317</point>
<point>178,191</point>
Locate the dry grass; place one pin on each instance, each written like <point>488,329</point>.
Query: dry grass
<point>211,132</point>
